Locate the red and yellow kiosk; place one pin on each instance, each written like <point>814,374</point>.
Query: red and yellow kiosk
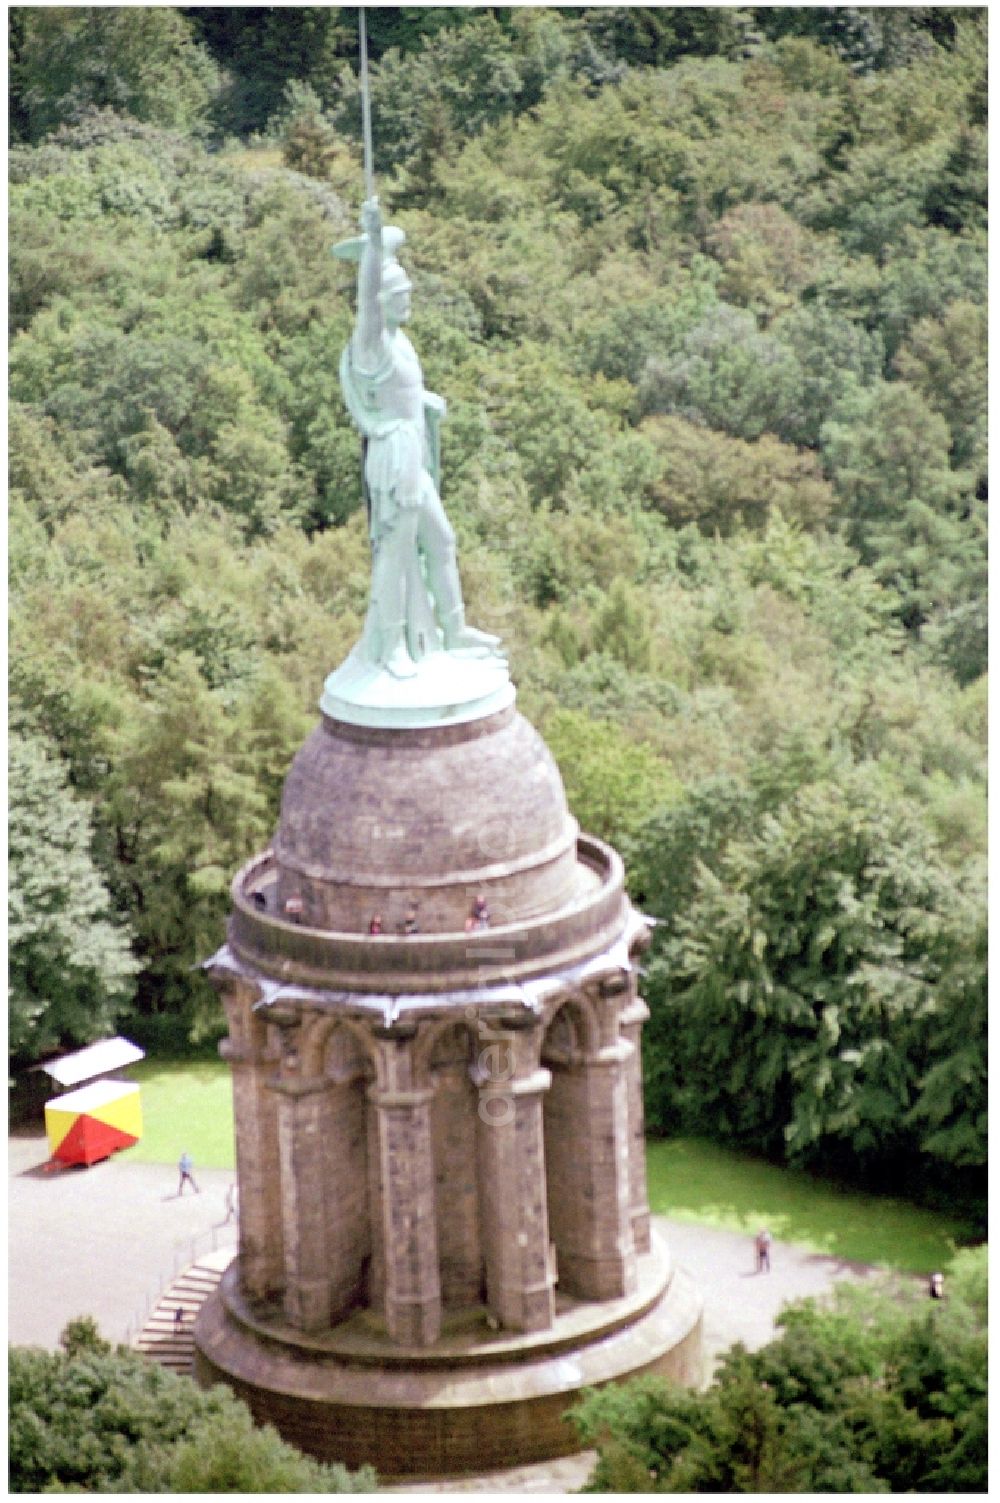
<point>91,1123</point>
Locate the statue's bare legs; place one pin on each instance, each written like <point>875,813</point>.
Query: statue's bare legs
<point>436,541</point>
<point>392,547</point>
<point>424,528</point>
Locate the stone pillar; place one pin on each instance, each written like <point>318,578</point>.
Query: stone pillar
<point>519,1276</point>
<point>375,1292</point>
<point>302,1131</point>
<point>604,1265</point>
<point>587,1144</point>
<point>253,1060</point>
<point>407,1248</point>
<point>630,1021</point>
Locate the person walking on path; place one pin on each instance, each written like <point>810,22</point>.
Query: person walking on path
<point>187,1178</point>
<point>231,1204</point>
<point>762,1245</point>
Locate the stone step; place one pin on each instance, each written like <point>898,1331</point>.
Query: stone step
<point>163,1338</point>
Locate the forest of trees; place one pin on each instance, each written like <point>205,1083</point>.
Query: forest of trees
<point>706,292</point>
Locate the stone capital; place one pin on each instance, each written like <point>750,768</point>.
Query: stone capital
<point>519,1085</point>
<point>238,1055</point>
<point>635,1012</point>
<point>296,1089</point>
<point>390,1098</point>
<point>611,1054</point>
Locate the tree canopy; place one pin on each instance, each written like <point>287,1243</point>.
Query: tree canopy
<point>90,1419</point>
<point>874,1393</point>
<point>705,291</point>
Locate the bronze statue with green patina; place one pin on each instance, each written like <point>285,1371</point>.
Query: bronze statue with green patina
<point>417,663</point>
<point>416,598</point>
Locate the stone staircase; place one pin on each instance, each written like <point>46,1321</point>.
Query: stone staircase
<point>168,1340</point>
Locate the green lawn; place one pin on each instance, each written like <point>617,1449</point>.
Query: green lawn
<point>185,1104</point>
<point>697,1181</point>
<point>188,1104</point>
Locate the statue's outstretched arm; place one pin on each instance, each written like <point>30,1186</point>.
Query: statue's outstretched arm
<point>370,326</point>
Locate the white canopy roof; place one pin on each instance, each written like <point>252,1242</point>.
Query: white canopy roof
<point>96,1059</point>
<point>90,1098</point>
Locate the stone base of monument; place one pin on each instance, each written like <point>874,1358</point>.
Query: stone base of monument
<point>478,1399</point>
<point>446,688</point>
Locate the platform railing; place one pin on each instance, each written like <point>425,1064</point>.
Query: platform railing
<point>183,1252</point>
<point>434,961</point>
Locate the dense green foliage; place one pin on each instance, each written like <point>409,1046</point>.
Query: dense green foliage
<point>91,1419</point>
<point>705,290</point>
<point>809,990</point>
<point>70,969</point>
<point>874,1394</point>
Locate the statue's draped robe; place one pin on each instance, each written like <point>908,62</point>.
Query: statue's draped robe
<point>401,461</point>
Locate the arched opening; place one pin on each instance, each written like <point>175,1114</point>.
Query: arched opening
<point>345,1187</point>
<point>456,1174</point>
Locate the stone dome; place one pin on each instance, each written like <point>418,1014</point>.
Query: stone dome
<point>382,821</point>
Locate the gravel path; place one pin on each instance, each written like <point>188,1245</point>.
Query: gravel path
<point>106,1241</point>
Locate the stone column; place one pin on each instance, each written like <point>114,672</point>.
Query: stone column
<point>302,1131</point>
<point>587,1127</point>
<point>375,1292</point>
<point>605,1266</point>
<point>408,1249</point>
<point>253,1060</point>
<point>519,1276</point>
<point>409,1232</point>
<point>587,1147</point>
<point>630,1021</point>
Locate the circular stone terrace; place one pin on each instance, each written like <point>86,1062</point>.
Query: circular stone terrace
<point>596,918</point>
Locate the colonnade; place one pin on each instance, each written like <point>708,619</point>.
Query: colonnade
<point>356,1165</point>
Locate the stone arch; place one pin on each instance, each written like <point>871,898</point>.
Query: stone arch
<point>443,1036</point>
<point>573,1028</point>
<point>345,1050</point>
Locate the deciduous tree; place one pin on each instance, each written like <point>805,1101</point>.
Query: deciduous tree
<point>71,971</point>
<point>141,62</point>
<point>868,1393</point>
<point>89,1419</point>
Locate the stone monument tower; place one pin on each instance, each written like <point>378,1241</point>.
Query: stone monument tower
<point>430,986</point>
